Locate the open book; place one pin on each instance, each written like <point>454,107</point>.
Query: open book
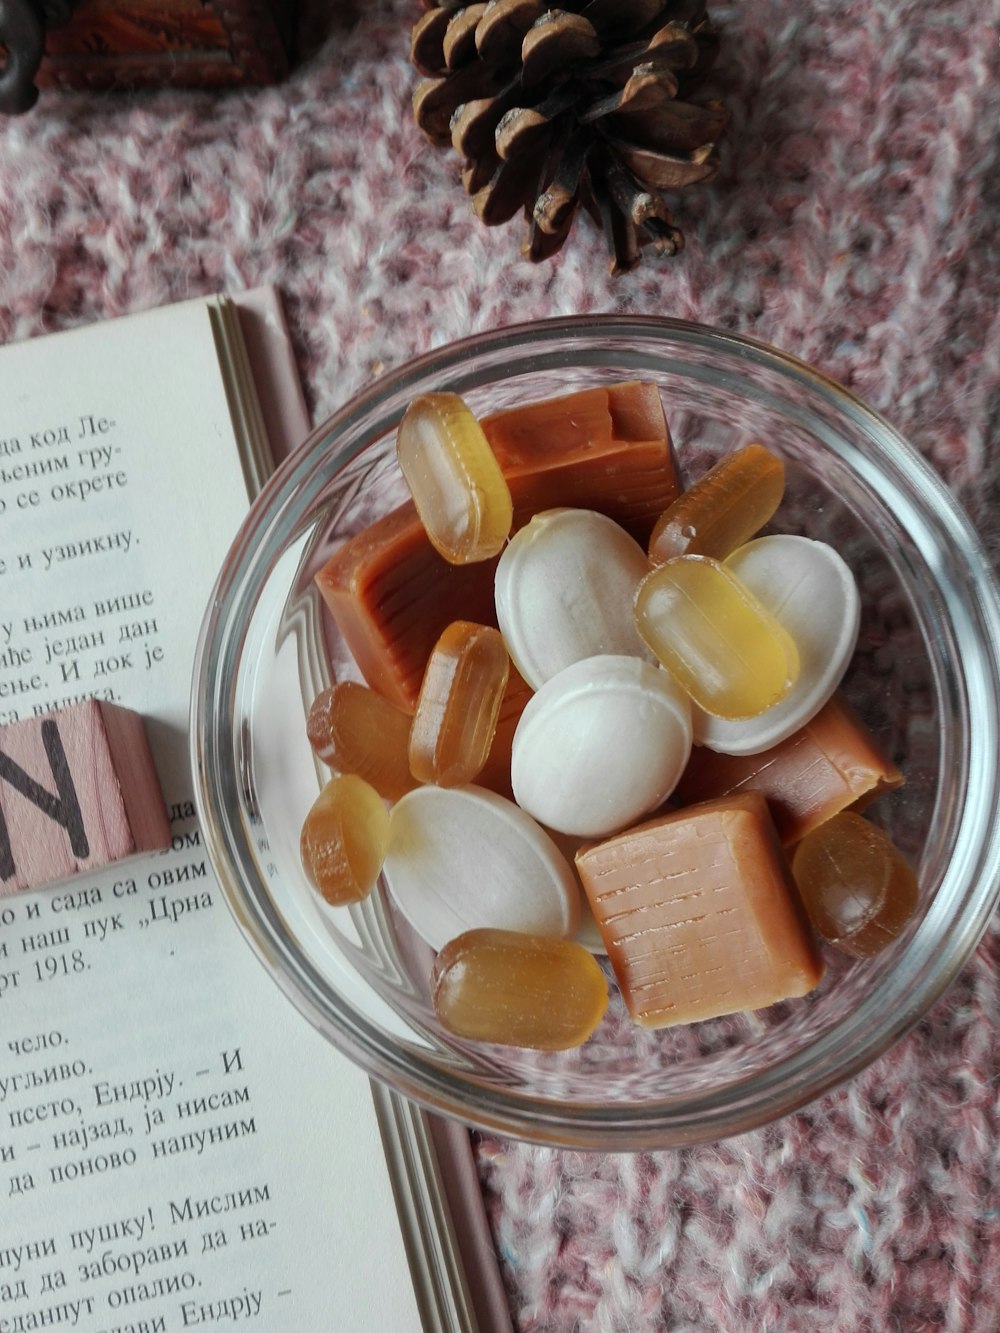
<point>177,1145</point>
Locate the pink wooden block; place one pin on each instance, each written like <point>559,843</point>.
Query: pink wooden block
<point>78,790</point>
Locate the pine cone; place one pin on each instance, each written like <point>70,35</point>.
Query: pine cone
<point>557,109</point>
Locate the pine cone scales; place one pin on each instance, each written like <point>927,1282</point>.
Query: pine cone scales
<point>586,106</point>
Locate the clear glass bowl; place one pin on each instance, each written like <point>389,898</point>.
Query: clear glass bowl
<point>924,677</point>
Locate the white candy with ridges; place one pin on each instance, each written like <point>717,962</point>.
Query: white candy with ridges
<point>600,745</point>
<point>565,584</point>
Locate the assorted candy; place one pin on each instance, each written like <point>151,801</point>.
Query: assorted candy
<point>585,683</point>
<point>392,594</point>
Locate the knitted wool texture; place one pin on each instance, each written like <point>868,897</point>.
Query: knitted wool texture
<point>854,222</point>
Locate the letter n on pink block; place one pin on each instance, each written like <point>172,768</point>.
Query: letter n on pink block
<point>78,790</point>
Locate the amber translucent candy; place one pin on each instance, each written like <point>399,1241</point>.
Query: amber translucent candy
<point>723,509</point>
<point>391,594</point>
<point>856,885</point>
<point>459,491</point>
<point>459,703</point>
<point>722,645</point>
<point>831,764</point>
<point>495,773</point>
<point>355,730</point>
<point>699,913</point>
<point>344,840</point>
<point>518,990</point>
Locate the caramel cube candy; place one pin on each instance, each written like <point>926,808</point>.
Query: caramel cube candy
<point>699,913</point>
<point>392,595</point>
<point>831,764</point>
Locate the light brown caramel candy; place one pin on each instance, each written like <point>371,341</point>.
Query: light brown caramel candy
<point>857,887</point>
<point>355,730</point>
<point>459,702</point>
<point>830,764</point>
<point>518,990</point>
<point>460,493</point>
<point>344,840</point>
<point>699,913</point>
<point>723,509</point>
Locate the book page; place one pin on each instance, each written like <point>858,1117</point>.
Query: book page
<point>178,1148</point>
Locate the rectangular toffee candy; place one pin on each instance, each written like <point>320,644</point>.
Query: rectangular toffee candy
<point>391,594</point>
<point>78,790</point>
<point>699,913</point>
<point>833,763</point>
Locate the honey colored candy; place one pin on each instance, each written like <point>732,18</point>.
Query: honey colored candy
<point>810,591</point>
<point>391,594</point>
<point>355,730</point>
<point>459,702</point>
<point>857,887</point>
<point>724,648</point>
<point>699,913</point>
<point>518,990</point>
<point>457,486</point>
<point>723,509</point>
<point>344,839</point>
<point>829,765</point>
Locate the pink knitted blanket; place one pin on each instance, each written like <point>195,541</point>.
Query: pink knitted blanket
<point>854,222</point>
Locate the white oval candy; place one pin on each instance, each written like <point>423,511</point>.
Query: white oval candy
<point>811,591</point>
<point>600,745</point>
<point>564,589</point>
<point>463,857</point>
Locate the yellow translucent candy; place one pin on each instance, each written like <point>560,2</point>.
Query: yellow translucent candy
<point>344,840</point>
<point>355,730</point>
<point>723,509</point>
<point>456,714</point>
<point>518,990</point>
<point>457,486</point>
<point>723,647</point>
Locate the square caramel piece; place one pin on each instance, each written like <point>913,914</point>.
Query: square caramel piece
<point>699,913</point>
